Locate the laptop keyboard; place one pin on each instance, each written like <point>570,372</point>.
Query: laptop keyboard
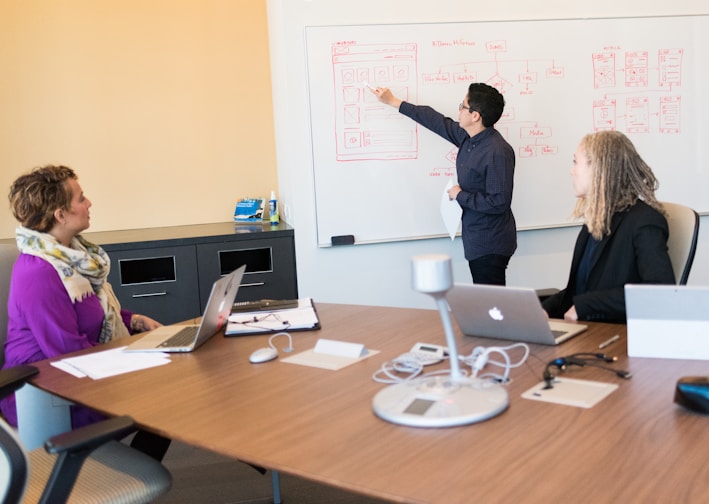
<point>183,338</point>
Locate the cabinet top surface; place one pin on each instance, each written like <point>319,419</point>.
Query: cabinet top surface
<point>179,235</point>
<point>183,235</point>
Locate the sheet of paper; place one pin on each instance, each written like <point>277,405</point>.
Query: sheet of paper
<point>67,368</point>
<point>450,211</point>
<point>571,392</point>
<point>112,362</point>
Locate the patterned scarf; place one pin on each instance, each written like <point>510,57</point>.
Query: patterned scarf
<point>82,268</point>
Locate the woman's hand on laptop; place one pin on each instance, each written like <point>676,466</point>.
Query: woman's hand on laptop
<point>143,323</point>
<point>571,314</point>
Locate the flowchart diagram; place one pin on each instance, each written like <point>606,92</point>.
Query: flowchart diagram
<point>367,130</point>
<point>637,96</point>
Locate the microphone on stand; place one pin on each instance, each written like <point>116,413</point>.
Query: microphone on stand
<point>441,400</point>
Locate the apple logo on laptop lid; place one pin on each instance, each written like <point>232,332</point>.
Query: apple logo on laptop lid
<point>495,313</point>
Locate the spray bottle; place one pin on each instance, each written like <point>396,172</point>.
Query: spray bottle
<point>273,209</point>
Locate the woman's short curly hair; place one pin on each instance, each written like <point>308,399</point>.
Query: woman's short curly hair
<point>36,195</point>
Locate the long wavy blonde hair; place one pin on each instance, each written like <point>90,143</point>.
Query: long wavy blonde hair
<point>619,178</point>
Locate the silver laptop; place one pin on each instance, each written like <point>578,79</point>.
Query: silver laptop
<point>185,338</point>
<point>509,313</point>
<point>667,321</point>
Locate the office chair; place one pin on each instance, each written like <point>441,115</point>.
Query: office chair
<point>84,465</point>
<point>683,222</point>
<point>8,256</point>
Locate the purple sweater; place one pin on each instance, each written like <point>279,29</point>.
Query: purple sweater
<point>44,323</point>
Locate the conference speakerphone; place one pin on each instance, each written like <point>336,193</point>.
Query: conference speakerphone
<point>440,401</point>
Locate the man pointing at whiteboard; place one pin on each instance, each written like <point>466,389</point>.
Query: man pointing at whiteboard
<point>485,167</point>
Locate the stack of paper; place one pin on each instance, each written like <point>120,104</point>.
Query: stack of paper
<point>301,318</point>
<point>99,365</point>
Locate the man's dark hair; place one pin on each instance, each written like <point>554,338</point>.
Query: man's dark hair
<point>487,101</point>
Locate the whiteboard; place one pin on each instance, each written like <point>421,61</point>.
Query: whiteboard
<point>379,177</point>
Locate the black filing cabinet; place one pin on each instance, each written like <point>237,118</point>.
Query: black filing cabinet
<point>167,273</point>
<point>270,267</point>
<point>159,282</point>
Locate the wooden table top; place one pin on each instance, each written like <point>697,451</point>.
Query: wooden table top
<point>634,446</point>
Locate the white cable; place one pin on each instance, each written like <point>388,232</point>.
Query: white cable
<point>391,371</point>
<point>289,348</point>
<point>480,357</point>
<point>406,367</point>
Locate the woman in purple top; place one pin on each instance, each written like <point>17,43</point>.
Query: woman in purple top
<point>59,299</point>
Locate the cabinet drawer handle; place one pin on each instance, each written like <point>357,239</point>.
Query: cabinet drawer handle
<point>255,284</point>
<point>150,294</point>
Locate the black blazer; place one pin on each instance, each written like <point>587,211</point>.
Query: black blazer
<point>635,251</point>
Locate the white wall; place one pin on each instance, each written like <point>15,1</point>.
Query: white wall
<point>379,274</point>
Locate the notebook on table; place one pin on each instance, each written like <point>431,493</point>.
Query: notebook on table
<point>509,313</point>
<point>282,316</point>
<point>667,321</point>
<point>185,338</point>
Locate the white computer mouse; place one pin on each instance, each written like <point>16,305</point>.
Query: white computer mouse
<point>263,355</point>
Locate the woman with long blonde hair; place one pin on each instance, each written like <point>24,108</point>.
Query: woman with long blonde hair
<point>624,234</point>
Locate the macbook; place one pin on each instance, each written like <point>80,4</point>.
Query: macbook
<point>185,338</point>
<point>667,321</point>
<point>510,313</point>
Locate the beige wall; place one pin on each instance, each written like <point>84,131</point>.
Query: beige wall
<point>162,107</point>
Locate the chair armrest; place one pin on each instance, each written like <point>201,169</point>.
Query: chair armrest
<point>73,448</point>
<point>91,436</point>
<point>13,378</point>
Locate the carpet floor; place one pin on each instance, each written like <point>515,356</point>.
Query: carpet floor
<point>201,476</point>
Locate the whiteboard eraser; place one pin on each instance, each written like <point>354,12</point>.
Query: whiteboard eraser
<point>342,240</point>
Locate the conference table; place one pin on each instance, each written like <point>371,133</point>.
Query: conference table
<point>636,445</point>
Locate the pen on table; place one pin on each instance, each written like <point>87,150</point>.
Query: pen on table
<point>609,341</point>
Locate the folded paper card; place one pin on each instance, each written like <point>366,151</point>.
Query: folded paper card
<point>331,354</point>
<point>341,348</point>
